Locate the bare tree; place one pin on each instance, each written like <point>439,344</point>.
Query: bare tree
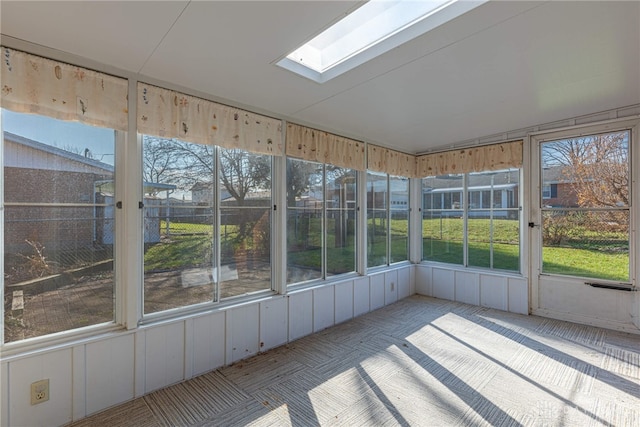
<point>157,161</point>
<point>597,166</point>
<point>242,173</point>
<point>299,175</point>
<point>183,164</point>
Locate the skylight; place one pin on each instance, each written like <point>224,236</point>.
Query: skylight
<point>371,30</point>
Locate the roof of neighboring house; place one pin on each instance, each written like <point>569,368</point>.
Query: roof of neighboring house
<point>199,186</point>
<point>106,186</point>
<point>510,178</point>
<point>57,151</point>
<point>254,195</point>
<point>472,188</point>
<point>556,175</point>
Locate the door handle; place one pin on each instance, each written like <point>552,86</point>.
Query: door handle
<point>531,225</point>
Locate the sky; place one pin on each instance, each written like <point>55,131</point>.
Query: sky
<point>61,134</point>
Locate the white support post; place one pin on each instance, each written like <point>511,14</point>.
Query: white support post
<point>415,220</point>
<point>279,223</point>
<point>361,245</point>
<point>129,244</point>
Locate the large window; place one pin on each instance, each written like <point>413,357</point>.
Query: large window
<point>586,214</point>
<point>179,223</point>
<point>442,219</point>
<point>340,202</point>
<point>387,219</point>
<point>182,199</point>
<point>59,228</point>
<point>484,231</point>
<point>245,222</point>
<point>321,220</point>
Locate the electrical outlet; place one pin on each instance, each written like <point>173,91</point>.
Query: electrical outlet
<point>39,391</point>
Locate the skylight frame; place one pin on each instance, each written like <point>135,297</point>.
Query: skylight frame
<point>407,30</point>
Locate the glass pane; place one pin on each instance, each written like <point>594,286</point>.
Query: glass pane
<point>442,219</point>
<point>589,171</point>
<point>377,188</point>
<point>399,226</point>
<point>304,220</point>
<point>245,222</point>
<point>583,173</point>
<point>341,220</point>
<point>493,220</point>
<point>494,243</point>
<point>59,226</point>
<point>586,243</point>
<point>245,249</point>
<point>179,220</point>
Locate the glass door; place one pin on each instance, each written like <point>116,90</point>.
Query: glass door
<point>581,221</point>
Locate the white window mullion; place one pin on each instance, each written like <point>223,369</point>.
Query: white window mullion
<point>465,218</point>
<point>361,236</point>
<point>217,277</point>
<point>279,224</point>
<point>129,222</point>
<point>415,222</point>
<point>634,202</point>
<point>388,214</point>
<point>323,225</point>
<point>2,230</point>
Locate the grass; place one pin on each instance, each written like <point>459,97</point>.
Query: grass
<point>305,246</point>
<point>606,257</point>
<point>586,263</point>
<point>186,228</point>
<point>180,252</point>
<point>594,254</point>
<point>504,230</point>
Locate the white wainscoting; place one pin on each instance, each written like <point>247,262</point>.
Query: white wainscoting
<point>90,375</point>
<point>487,289</point>
<point>344,304</point>
<point>208,343</point>
<point>274,321</point>
<point>558,298</point>
<point>576,302</point>
<point>376,290</point>
<point>99,389</point>
<point>57,366</point>
<point>361,296</point>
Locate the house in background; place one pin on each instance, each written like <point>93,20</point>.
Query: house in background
<point>442,195</point>
<point>81,186</point>
<point>557,188</point>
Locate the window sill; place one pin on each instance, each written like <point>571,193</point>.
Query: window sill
<point>59,340</point>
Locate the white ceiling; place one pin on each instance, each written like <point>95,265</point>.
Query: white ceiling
<point>505,65</point>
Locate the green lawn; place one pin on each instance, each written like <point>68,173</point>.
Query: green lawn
<point>504,230</point>
<point>190,245</point>
<point>601,255</point>
<point>186,245</point>
<point>185,228</point>
<point>586,263</point>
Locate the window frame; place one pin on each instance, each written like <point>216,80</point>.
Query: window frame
<point>467,194</point>
<point>537,180</point>
<point>390,206</point>
<point>217,209</point>
<point>120,249</point>
<point>324,276</point>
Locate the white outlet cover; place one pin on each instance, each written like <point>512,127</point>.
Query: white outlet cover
<point>39,391</point>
